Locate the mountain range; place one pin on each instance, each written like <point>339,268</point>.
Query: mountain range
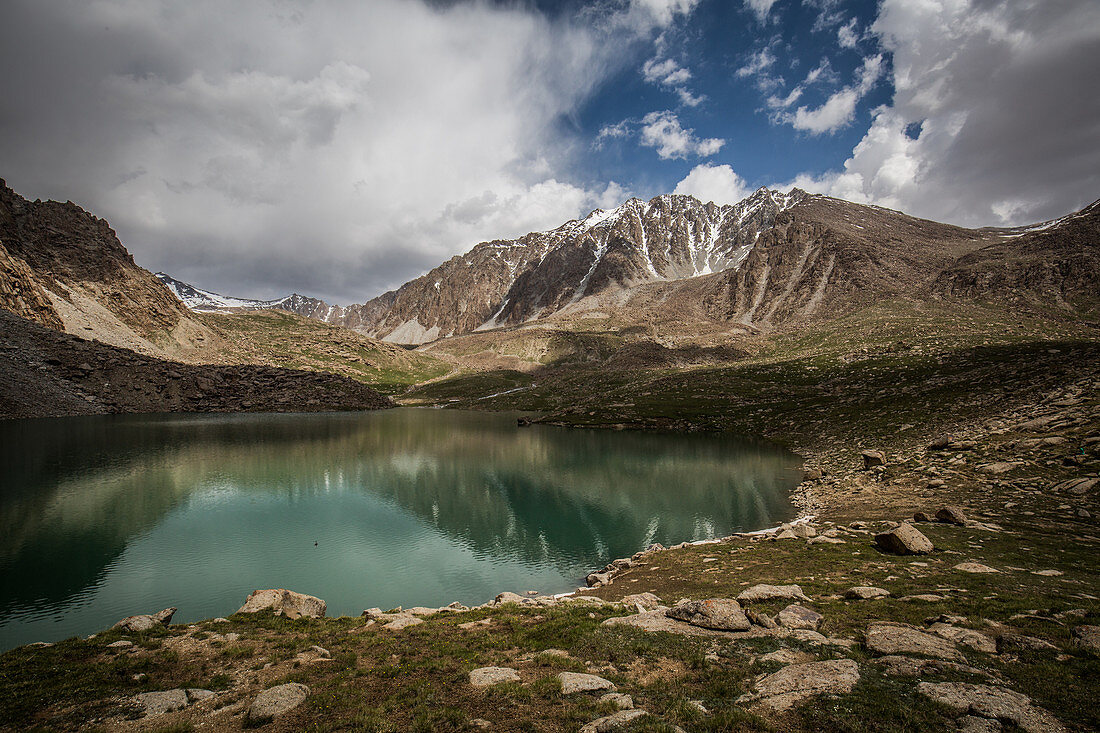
<point>769,260</point>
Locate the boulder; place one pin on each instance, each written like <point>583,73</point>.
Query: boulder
<point>763,592</point>
<point>489,676</point>
<point>595,580</point>
<point>967,637</point>
<point>904,540</point>
<point>158,703</point>
<point>144,622</point>
<point>986,701</point>
<point>1087,638</point>
<point>509,597</point>
<point>921,517</point>
<point>872,458</point>
<point>614,721</point>
<point>951,515</point>
<point>198,695</point>
<point>722,614</point>
<point>805,531</point>
<point>277,700</point>
<point>865,592</point>
<point>898,666</point>
<point>574,682</point>
<point>800,617</point>
<point>641,601</point>
<point>886,638</point>
<point>792,684</point>
<point>284,603</point>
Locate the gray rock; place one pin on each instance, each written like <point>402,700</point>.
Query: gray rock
<point>277,700</point>
<point>904,540</point>
<point>974,567</point>
<point>158,703</point>
<point>800,617</point>
<point>804,531</point>
<point>121,644</point>
<point>865,592</point>
<point>595,580</point>
<point>642,601</point>
<point>197,695</point>
<point>951,515</point>
<point>761,619</point>
<point>144,622</point>
<point>967,637</point>
<point>488,676</point>
<point>722,614</point>
<point>509,597</point>
<point>991,702</point>
<point>618,699</point>
<point>1048,573</point>
<point>786,656</point>
<point>613,722</point>
<point>764,592</point>
<point>574,682</point>
<point>1088,638</point>
<point>899,666</point>
<point>891,638</point>
<point>921,517</point>
<point>823,540</point>
<point>974,724</point>
<point>285,603</point>
<point>1012,642</point>
<point>782,689</point>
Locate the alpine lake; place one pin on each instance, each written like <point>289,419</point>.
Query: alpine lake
<point>107,516</point>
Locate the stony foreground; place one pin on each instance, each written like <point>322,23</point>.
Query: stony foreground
<point>944,584</point>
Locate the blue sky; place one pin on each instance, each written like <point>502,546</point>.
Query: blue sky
<point>338,148</point>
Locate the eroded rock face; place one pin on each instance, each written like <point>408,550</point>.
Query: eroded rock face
<point>904,539</point>
<point>790,685</point>
<point>284,602</point>
<point>144,622</point>
<point>890,638</point>
<point>275,701</point>
<point>721,614</point>
<point>991,702</point>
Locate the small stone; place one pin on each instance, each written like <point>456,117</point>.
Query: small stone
<point>122,644</point>
<point>975,567</point>
<point>402,622</point>
<point>481,723</point>
<point>721,614</point>
<point>277,700</point>
<point>951,515</point>
<point>865,592</point>
<point>904,540</point>
<point>488,676</point>
<point>618,699</point>
<point>574,682</point>
<point>921,517</point>
<point>781,690</point>
<point>764,592</point>
<point>1048,573</point>
<point>613,722</point>
<point>923,597</point>
<point>800,617</point>
<point>158,703</point>
<point>823,540</point>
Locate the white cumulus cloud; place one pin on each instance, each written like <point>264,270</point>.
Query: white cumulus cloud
<point>717,183</point>
<point>663,131</point>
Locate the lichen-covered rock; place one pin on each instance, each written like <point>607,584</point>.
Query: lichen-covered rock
<point>722,614</point>
<point>144,622</point>
<point>782,689</point>
<point>764,592</point>
<point>489,676</point>
<point>991,702</point>
<point>285,603</point>
<point>573,682</point>
<point>904,539</point>
<point>275,701</point>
